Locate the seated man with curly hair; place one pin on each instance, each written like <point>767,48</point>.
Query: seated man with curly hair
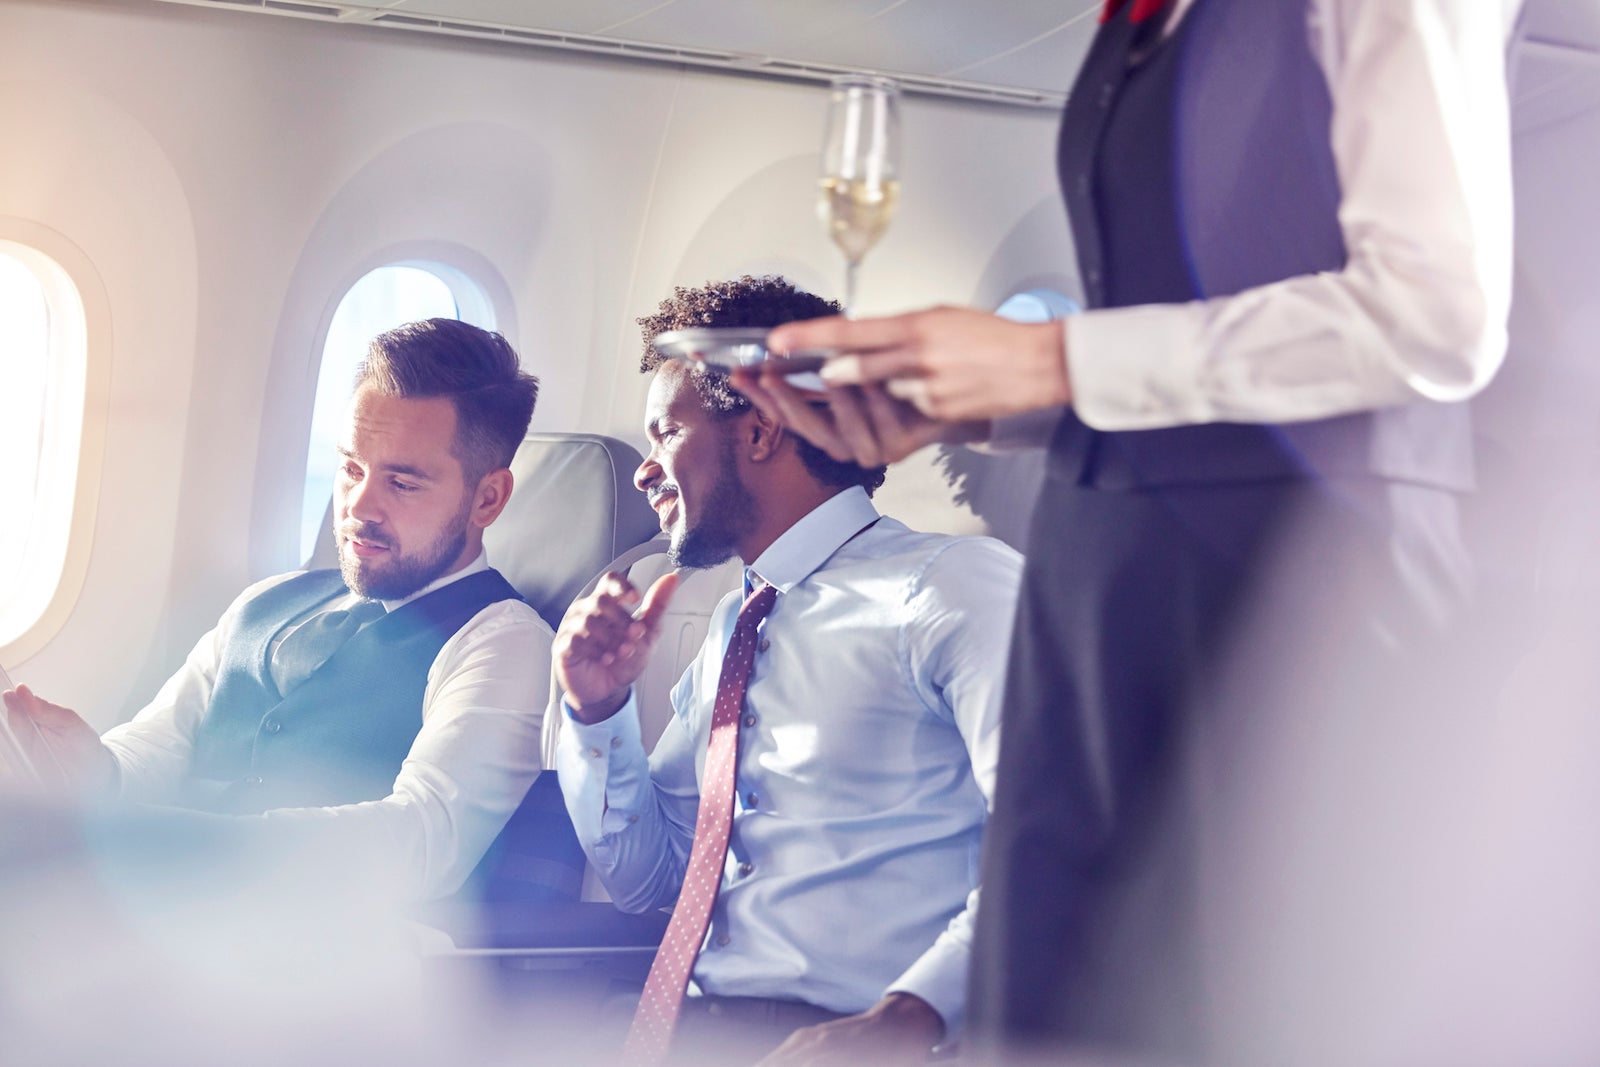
<point>815,807</point>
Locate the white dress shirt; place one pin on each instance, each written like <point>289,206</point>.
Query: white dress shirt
<point>1421,140</point>
<point>865,768</point>
<point>472,761</point>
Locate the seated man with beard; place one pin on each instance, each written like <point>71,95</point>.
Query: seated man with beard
<point>395,702</point>
<point>815,807</point>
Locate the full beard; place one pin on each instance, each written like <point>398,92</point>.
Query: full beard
<point>728,514</point>
<point>402,576</point>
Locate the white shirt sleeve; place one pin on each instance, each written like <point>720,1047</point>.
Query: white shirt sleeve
<point>473,760</point>
<point>1421,140</point>
<point>153,750</point>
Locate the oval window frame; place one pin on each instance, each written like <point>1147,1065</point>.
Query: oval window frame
<point>475,302</point>
<point>81,333</point>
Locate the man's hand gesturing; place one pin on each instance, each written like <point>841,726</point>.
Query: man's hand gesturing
<point>604,641</point>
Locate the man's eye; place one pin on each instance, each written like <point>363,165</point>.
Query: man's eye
<point>351,471</point>
<point>405,487</point>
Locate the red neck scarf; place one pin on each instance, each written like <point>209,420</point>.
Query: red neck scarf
<point>1142,9</point>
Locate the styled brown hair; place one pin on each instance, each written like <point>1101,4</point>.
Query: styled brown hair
<point>476,369</point>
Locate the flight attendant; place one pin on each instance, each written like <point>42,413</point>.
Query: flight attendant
<point>1293,227</point>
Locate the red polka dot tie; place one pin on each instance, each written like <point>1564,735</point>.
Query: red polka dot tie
<point>657,1016</point>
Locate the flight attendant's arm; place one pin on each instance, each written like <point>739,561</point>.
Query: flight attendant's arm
<point>1420,136</point>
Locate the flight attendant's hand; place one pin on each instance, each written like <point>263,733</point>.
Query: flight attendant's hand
<point>66,752</point>
<point>604,642</point>
<point>863,424</point>
<point>954,366</point>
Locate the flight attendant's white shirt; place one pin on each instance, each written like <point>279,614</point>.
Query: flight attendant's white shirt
<point>1421,139</point>
<point>468,769</point>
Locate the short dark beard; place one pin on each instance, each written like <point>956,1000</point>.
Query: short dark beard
<point>726,515</point>
<point>405,577</point>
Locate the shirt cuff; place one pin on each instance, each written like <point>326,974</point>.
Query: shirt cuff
<point>939,977</point>
<point>1130,369</point>
<point>603,768</point>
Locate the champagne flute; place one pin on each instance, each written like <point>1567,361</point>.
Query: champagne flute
<point>860,168</point>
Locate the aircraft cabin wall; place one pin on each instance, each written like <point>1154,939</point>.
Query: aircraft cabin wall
<point>214,182</point>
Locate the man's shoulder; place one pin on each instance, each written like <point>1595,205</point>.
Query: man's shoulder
<point>930,547</point>
<point>508,614</point>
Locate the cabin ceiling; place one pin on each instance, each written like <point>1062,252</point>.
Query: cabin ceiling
<point>1016,52</point>
<point>1021,52</point>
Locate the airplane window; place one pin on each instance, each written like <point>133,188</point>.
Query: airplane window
<point>381,300</point>
<point>43,355</point>
<point>1037,305</point>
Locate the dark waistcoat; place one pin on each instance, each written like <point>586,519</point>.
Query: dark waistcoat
<point>1186,180</point>
<point>340,737</point>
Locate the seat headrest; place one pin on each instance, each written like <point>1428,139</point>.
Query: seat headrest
<point>573,509</point>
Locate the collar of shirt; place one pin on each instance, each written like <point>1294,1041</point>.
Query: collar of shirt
<point>806,545</point>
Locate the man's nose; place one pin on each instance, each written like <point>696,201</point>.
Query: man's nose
<point>648,474</point>
<point>361,503</point>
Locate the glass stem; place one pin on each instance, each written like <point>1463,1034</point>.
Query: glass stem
<point>850,268</point>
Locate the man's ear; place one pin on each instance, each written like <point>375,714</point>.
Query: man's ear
<point>765,435</point>
<point>489,499</point>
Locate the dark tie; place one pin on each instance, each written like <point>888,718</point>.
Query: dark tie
<point>657,1016</point>
<point>1142,9</point>
<point>312,643</point>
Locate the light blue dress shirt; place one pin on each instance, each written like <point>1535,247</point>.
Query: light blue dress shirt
<point>866,764</point>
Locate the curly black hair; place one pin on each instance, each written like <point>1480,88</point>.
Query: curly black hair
<point>748,301</point>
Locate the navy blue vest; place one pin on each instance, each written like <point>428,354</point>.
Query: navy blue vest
<point>1186,180</point>
<point>340,737</point>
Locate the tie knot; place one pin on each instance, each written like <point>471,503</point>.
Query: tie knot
<point>757,605</point>
<point>311,644</point>
<point>364,611</point>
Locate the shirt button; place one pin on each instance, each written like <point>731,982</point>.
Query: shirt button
<point>749,720</point>
<point>632,819</point>
<point>1108,92</point>
<point>722,940</point>
<point>750,800</point>
<point>273,726</point>
<point>595,753</point>
<point>766,643</point>
<point>745,869</point>
<point>616,742</point>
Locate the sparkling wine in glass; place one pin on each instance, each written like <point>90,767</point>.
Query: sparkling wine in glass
<point>860,168</point>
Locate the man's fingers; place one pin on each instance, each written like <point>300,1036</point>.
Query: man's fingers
<point>656,600</point>
<point>796,411</point>
<point>854,426</point>
<point>840,334</point>
<point>911,430</point>
<point>615,584</point>
<point>26,702</point>
<point>889,364</point>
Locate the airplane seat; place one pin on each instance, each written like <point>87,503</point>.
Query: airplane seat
<point>683,630</point>
<point>573,507</point>
<point>586,951</point>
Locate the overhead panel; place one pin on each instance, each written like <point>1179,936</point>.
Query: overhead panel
<point>918,41</point>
